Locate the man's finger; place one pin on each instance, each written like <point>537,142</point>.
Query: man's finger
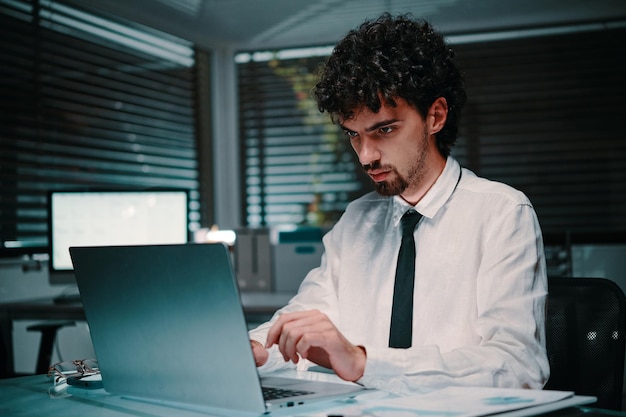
<point>277,328</point>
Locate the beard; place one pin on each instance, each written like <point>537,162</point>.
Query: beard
<point>394,186</point>
<point>398,183</point>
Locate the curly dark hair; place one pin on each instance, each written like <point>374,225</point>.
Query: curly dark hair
<point>392,57</point>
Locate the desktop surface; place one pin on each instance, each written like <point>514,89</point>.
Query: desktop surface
<point>32,396</point>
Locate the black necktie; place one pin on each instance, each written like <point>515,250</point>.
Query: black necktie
<point>401,332</point>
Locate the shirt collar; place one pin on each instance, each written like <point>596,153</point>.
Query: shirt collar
<point>436,197</point>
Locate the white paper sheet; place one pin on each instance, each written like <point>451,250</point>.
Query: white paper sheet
<point>452,402</point>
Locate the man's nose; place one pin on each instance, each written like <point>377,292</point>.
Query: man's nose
<point>368,151</point>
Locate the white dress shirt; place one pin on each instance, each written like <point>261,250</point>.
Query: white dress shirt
<point>480,287</point>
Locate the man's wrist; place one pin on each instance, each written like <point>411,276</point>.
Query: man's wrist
<point>361,361</point>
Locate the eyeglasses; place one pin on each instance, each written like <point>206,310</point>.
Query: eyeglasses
<point>78,369</point>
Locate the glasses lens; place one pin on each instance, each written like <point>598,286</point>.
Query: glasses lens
<point>89,366</point>
<point>66,368</point>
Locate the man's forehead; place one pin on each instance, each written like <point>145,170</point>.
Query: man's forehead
<point>363,112</point>
<point>363,107</point>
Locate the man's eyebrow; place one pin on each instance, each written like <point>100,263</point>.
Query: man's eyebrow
<point>344,128</point>
<point>374,126</point>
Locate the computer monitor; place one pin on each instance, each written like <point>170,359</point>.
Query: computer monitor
<point>112,217</point>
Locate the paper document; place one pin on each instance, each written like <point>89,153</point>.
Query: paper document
<point>453,402</point>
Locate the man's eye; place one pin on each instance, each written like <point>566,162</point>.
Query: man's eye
<point>386,129</point>
<point>350,134</point>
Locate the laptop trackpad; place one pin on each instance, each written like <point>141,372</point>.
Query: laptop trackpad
<point>314,386</point>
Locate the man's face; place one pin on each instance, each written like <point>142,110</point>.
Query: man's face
<point>394,147</point>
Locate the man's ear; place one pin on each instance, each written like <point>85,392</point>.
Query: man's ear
<point>437,115</point>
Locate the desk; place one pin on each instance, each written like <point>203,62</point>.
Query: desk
<point>28,396</point>
<point>257,306</point>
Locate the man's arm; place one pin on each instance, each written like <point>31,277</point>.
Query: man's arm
<point>316,292</point>
<point>311,335</point>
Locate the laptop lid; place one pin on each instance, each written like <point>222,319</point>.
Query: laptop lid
<point>167,324</point>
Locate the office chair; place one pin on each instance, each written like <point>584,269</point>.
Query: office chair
<point>585,337</point>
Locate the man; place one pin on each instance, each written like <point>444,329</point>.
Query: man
<point>479,290</point>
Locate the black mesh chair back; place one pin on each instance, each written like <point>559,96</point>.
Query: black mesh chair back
<point>585,336</point>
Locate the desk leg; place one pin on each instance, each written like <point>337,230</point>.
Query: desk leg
<point>7,365</point>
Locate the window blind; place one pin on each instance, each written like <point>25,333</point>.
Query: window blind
<point>88,102</point>
<point>299,168</point>
<point>544,114</point>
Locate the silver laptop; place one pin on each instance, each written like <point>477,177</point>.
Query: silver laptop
<point>167,325</point>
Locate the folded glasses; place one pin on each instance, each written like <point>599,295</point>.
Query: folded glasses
<point>77,369</point>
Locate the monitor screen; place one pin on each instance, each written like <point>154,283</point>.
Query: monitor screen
<point>93,218</point>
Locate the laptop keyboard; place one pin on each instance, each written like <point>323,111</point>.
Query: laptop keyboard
<point>270,393</point>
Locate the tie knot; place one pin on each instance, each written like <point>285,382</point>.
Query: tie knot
<point>409,220</point>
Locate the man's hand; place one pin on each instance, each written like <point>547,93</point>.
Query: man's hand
<point>311,335</point>
<point>260,353</point>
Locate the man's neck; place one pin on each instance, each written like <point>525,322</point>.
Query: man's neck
<point>414,195</point>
